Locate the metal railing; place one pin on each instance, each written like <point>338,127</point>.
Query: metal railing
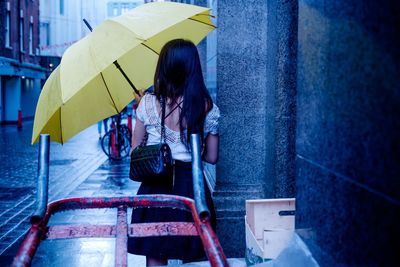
<point>201,226</point>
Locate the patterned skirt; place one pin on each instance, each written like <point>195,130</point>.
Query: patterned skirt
<point>187,248</point>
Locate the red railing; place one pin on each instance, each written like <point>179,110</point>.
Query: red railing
<point>201,226</point>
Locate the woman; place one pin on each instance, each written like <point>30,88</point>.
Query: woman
<point>189,109</point>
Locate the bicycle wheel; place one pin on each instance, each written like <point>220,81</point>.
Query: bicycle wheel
<point>125,130</point>
<point>106,143</point>
<point>116,148</point>
<point>124,143</point>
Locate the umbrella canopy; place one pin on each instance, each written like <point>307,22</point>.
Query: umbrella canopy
<point>88,85</point>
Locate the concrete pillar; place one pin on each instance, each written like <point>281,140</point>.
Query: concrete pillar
<point>241,96</point>
<point>256,50</point>
<point>348,128</point>
<point>281,98</point>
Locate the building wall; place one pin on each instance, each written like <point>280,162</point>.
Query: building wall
<point>312,114</point>
<point>1,99</point>
<point>62,24</point>
<point>67,28</point>
<point>19,61</point>
<point>95,12</point>
<point>116,8</point>
<point>30,15</point>
<point>348,189</point>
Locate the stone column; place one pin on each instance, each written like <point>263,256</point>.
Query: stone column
<point>281,97</point>
<point>241,96</point>
<point>348,146</point>
<point>256,50</point>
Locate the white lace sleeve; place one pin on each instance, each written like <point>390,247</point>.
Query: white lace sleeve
<point>141,109</point>
<point>211,122</point>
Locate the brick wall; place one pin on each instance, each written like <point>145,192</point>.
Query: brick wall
<point>29,9</point>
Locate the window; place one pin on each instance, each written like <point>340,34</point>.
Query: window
<point>61,7</point>
<point>124,8</point>
<point>8,29</point>
<point>115,11</point>
<point>31,38</point>
<point>27,84</point>
<point>44,34</point>
<point>21,34</point>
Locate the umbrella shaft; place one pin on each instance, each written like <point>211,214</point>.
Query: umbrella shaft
<point>126,77</point>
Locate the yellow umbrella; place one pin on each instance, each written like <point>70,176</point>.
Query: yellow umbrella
<point>88,86</point>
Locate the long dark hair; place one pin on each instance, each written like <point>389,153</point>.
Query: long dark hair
<point>179,74</point>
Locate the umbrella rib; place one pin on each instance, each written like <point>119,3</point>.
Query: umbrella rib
<point>203,23</point>
<point>108,91</point>
<point>211,25</point>
<point>150,48</point>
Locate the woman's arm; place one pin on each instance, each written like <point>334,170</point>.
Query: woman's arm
<point>211,149</point>
<point>138,133</point>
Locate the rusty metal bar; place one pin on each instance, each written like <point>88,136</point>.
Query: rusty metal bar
<point>162,229</point>
<point>121,244</point>
<point>212,247</point>
<point>79,231</point>
<point>210,241</point>
<point>134,230</point>
<point>43,178</point>
<point>140,201</point>
<point>198,179</point>
<point>28,247</point>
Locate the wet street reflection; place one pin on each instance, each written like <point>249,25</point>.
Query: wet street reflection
<point>109,180</point>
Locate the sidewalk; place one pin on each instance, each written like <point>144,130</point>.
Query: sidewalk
<point>77,169</point>
<point>109,180</point>
<point>70,165</point>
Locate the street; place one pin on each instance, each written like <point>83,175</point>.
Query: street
<point>70,165</point>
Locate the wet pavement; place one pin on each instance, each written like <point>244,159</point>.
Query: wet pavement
<point>77,169</point>
<point>109,180</point>
<point>70,165</point>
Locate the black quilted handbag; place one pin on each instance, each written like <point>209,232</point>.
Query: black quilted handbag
<point>152,164</point>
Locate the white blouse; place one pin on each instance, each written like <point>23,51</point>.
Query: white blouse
<point>147,113</point>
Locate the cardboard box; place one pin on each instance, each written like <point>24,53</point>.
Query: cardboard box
<point>269,226</point>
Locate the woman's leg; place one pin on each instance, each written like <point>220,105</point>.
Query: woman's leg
<point>156,262</point>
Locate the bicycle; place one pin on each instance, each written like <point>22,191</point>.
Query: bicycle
<point>116,143</point>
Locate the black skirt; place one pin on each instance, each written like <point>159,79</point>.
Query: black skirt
<point>187,248</point>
